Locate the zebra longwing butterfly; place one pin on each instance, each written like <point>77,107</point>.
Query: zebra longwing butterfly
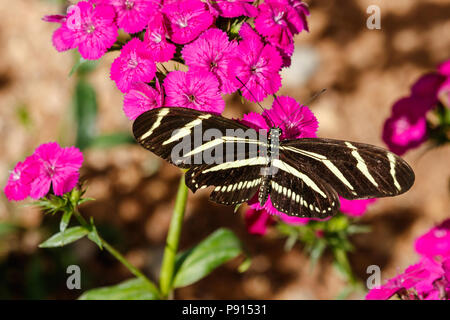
<point>309,173</point>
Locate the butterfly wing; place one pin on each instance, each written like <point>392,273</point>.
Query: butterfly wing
<point>354,170</point>
<point>298,192</point>
<point>235,174</point>
<point>188,138</point>
<point>232,185</point>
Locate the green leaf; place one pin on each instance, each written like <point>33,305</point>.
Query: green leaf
<point>316,252</point>
<point>24,116</point>
<point>133,289</point>
<point>6,228</point>
<point>63,238</point>
<point>82,66</point>
<point>65,220</point>
<point>245,265</point>
<point>111,140</point>
<point>201,260</point>
<point>85,110</point>
<point>93,235</point>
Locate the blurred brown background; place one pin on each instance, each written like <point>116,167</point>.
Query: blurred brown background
<point>364,72</point>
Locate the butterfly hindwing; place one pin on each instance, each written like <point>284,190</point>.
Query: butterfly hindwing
<point>232,185</point>
<point>297,192</point>
<point>354,170</point>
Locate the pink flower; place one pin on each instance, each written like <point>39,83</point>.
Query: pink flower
<point>419,281</point>
<point>435,242</point>
<point>444,90</point>
<point>279,22</point>
<point>444,68</point>
<point>134,64</point>
<point>296,121</point>
<point>355,208</point>
<point>141,98</point>
<point>196,89</point>
<point>407,127</point>
<point>257,65</point>
<point>428,86</point>
<point>187,19</point>
<point>91,30</point>
<point>19,182</point>
<point>59,18</point>
<point>155,40</point>
<point>212,51</point>
<point>257,221</point>
<point>234,8</point>
<point>133,15</point>
<point>59,168</point>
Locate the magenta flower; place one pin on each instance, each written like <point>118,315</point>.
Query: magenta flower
<point>187,19</point>
<point>50,165</point>
<point>257,65</point>
<point>141,98</point>
<point>133,15</point>
<point>92,30</point>
<point>406,128</point>
<point>425,280</point>
<point>212,51</point>
<point>427,86</point>
<point>59,18</point>
<point>435,242</point>
<point>59,168</point>
<point>257,221</point>
<point>295,120</point>
<point>156,41</point>
<point>279,22</point>
<point>444,90</point>
<point>195,89</point>
<point>234,8</point>
<point>134,64</point>
<point>355,208</point>
<point>18,186</point>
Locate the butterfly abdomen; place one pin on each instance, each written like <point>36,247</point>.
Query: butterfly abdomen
<point>264,190</point>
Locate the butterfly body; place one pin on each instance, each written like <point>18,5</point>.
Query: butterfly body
<point>303,177</point>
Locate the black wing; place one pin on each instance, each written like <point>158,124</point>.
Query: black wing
<point>236,176</point>
<point>354,170</point>
<point>232,185</point>
<point>297,191</point>
<point>185,137</point>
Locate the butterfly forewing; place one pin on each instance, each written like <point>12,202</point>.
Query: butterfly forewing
<point>187,137</point>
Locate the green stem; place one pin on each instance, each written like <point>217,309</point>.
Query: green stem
<point>116,254</point>
<point>173,239</point>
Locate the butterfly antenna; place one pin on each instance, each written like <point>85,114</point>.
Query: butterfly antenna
<point>251,93</point>
<point>315,96</point>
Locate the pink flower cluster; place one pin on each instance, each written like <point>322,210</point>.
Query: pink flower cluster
<point>406,128</point>
<point>429,279</point>
<point>185,31</point>
<point>50,166</point>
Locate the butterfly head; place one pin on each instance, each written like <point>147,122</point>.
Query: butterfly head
<point>275,133</point>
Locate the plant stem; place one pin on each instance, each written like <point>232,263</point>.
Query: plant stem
<point>116,254</point>
<point>173,239</point>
